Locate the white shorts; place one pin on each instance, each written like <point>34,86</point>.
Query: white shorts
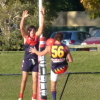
<point>54,76</point>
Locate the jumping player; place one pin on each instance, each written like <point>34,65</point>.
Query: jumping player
<point>30,63</point>
<point>60,56</point>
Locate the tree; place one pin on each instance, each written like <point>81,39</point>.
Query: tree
<point>92,7</point>
<point>10,16</point>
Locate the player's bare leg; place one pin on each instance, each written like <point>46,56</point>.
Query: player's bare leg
<point>23,84</point>
<point>34,86</point>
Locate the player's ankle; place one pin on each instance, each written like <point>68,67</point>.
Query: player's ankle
<point>21,95</point>
<point>34,96</point>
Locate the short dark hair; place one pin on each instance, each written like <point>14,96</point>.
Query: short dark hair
<point>30,28</point>
<point>59,36</point>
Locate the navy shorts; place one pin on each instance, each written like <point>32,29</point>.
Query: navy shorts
<point>30,65</point>
<point>60,67</point>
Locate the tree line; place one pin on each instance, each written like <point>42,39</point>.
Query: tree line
<point>11,12</point>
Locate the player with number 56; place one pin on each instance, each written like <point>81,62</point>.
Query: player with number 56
<point>60,56</point>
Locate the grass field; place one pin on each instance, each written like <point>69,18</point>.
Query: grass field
<point>78,87</point>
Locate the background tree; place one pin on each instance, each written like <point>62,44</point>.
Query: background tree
<point>92,7</point>
<point>10,16</point>
<point>67,5</point>
<point>11,12</point>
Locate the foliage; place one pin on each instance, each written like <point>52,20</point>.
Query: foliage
<point>10,16</point>
<point>70,5</point>
<point>93,7</point>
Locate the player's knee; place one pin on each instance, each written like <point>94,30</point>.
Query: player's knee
<point>53,89</point>
<point>53,86</point>
<point>24,80</point>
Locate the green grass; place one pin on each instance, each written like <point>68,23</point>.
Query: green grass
<point>11,62</point>
<point>78,87</point>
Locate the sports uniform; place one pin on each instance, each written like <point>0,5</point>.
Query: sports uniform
<point>59,52</point>
<point>59,63</point>
<point>30,62</point>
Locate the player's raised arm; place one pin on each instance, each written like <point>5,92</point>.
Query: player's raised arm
<point>22,29</point>
<point>41,28</point>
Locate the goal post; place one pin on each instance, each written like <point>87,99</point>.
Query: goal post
<point>42,80</point>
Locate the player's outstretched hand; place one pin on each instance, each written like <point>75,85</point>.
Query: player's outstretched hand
<point>25,14</point>
<point>32,50</point>
<point>42,10</point>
